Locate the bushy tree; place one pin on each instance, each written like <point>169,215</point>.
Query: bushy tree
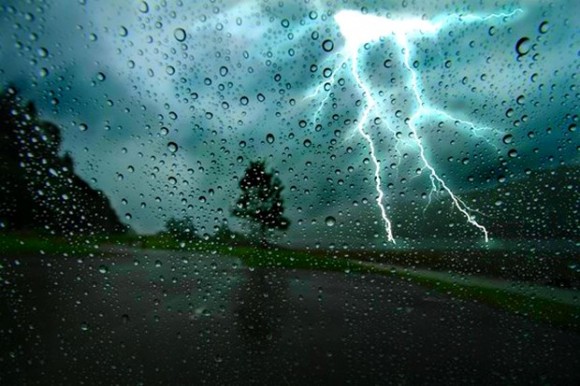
<point>224,235</point>
<point>261,200</point>
<point>182,229</point>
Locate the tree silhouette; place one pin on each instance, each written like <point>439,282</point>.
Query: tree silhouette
<point>40,189</point>
<point>16,200</point>
<point>182,229</point>
<point>261,200</point>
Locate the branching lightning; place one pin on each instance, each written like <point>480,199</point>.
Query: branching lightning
<point>359,29</point>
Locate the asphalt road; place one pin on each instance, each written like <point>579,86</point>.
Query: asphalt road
<point>155,317</point>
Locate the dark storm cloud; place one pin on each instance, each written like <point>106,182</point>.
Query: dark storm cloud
<point>180,73</point>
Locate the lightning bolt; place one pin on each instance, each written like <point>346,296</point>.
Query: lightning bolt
<point>360,29</point>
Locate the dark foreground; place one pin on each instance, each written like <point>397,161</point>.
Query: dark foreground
<point>155,317</point>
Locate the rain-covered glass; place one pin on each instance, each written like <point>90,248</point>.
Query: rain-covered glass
<point>289,192</point>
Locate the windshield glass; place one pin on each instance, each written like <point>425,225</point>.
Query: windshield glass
<point>289,192</point>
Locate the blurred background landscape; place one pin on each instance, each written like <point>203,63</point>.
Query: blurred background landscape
<point>230,172</point>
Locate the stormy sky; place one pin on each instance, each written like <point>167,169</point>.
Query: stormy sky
<point>164,104</point>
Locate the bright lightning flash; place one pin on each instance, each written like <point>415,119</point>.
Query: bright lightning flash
<point>359,29</point>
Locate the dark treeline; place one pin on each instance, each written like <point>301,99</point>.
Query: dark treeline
<point>183,230</point>
<point>40,190</point>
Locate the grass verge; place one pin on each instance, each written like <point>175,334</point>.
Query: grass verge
<point>26,244</point>
<point>551,311</point>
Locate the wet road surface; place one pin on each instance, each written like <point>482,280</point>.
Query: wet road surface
<point>158,317</point>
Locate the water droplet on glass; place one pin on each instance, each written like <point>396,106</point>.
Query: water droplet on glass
<point>544,27</point>
<point>508,138</point>
<point>143,7</point>
<point>42,52</point>
<point>328,45</point>
<point>172,147</point>
<point>330,221</point>
<point>523,46</point>
<point>179,34</point>
<point>270,138</point>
